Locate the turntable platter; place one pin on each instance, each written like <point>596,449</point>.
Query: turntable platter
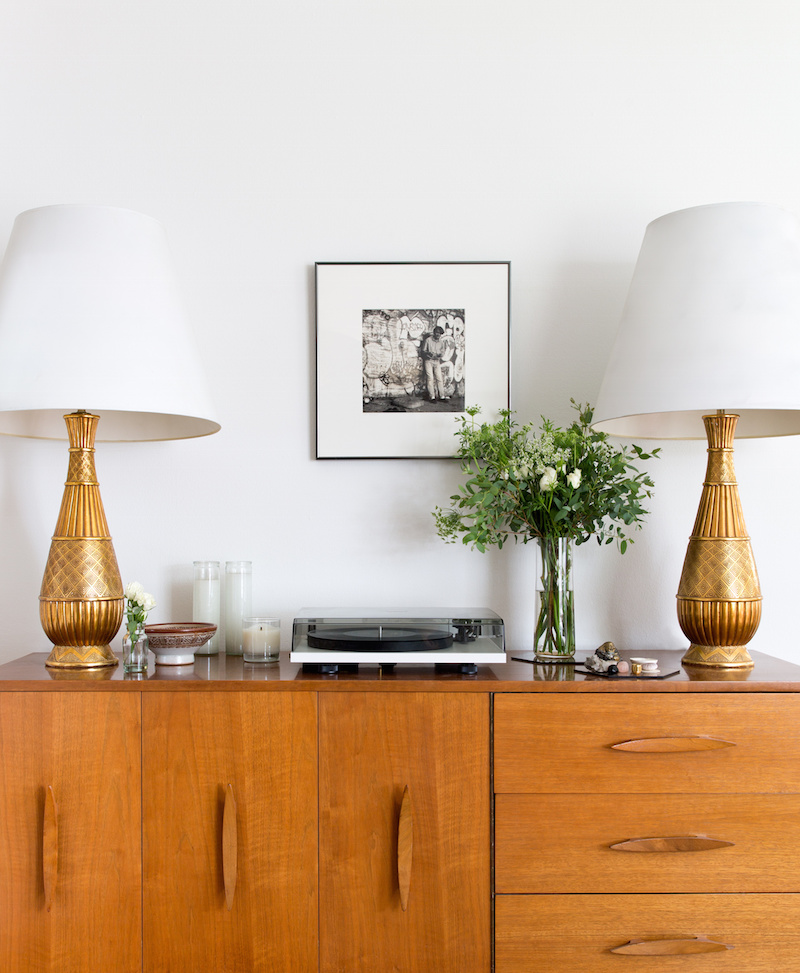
<point>380,638</point>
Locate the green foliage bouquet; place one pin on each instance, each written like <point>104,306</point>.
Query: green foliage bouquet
<point>560,487</point>
<point>560,483</point>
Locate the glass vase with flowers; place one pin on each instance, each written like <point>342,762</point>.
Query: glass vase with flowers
<point>557,486</point>
<point>134,641</point>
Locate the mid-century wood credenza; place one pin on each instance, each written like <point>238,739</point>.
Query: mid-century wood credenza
<point>238,818</point>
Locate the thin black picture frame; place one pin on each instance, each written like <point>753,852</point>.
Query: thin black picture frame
<point>386,311</point>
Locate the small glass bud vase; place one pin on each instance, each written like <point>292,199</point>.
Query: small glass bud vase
<point>554,639</point>
<point>134,650</point>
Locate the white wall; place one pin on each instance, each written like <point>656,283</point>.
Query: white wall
<point>269,134</point>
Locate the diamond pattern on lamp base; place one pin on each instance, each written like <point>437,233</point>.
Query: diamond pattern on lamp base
<point>82,568</point>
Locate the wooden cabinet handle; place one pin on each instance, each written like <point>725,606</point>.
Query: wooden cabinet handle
<point>50,847</point>
<point>671,947</point>
<point>229,846</point>
<point>671,745</point>
<point>405,847</point>
<point>687,842</point>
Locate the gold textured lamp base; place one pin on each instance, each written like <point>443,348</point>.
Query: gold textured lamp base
<point>719,596</point>
<point>719,656</point>
<point>81,657</point>
<point>81,601</point>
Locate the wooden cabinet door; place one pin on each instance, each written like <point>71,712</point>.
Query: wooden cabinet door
<point>70,832</point>
<point>230,832</point>
<point>404,833</point>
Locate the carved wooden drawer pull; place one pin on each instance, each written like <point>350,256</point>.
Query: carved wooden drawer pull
<point>229,846</point>
<point>688,842</point>
<point>405,848</point>
<point>671,947</point>
<point>671,745</point>
<point>50,847</point>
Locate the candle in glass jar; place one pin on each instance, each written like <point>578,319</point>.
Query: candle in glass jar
<point>238,592</point>
<point>261,639</point>
<point>206,601</point>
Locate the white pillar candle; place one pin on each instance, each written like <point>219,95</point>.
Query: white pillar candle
<point>238,594</point>
<point>206,601</point>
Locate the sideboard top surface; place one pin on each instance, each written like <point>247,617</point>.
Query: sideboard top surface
<point>223,673</point>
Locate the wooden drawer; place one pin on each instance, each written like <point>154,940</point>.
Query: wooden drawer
<point>673,743</point>
<point>570,933</point>
<point>562,843</point>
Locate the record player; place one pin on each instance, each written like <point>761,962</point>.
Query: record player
<point>331,640</point>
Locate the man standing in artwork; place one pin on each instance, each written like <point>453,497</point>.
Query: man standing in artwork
<point>432,352</point>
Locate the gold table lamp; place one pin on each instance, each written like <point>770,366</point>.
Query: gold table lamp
<point>710,336</point>
<point>81,601</point>
<point>92,331</point>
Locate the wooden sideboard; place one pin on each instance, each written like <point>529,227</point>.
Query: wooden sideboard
<point>234,818</point>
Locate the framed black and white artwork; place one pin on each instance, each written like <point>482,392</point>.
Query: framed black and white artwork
<point>403,349</point>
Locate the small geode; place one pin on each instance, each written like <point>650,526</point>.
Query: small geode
<point>603,657</point>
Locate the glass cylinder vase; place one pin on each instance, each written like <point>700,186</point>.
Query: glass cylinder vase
<point>134,650</point>
<point>554,636</point>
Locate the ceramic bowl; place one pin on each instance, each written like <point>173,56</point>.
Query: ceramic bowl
<point>174,643</point>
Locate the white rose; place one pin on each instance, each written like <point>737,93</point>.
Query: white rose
<point>548,480</point>
<point>148,602</point>
<point>133,591</point>
<point>574,479</point>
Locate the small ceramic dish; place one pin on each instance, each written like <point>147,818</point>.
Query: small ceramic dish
<point>174,643</point>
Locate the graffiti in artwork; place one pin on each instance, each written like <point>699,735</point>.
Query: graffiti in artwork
<point>413,360</point>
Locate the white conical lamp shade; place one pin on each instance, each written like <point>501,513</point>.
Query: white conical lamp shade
<point>91,318</point>
<point>712,321</point>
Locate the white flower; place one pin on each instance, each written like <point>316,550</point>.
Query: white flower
<point>574,479</point>
<point>548,480</point>
<point>134,591</point>
<point>139,602</point>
